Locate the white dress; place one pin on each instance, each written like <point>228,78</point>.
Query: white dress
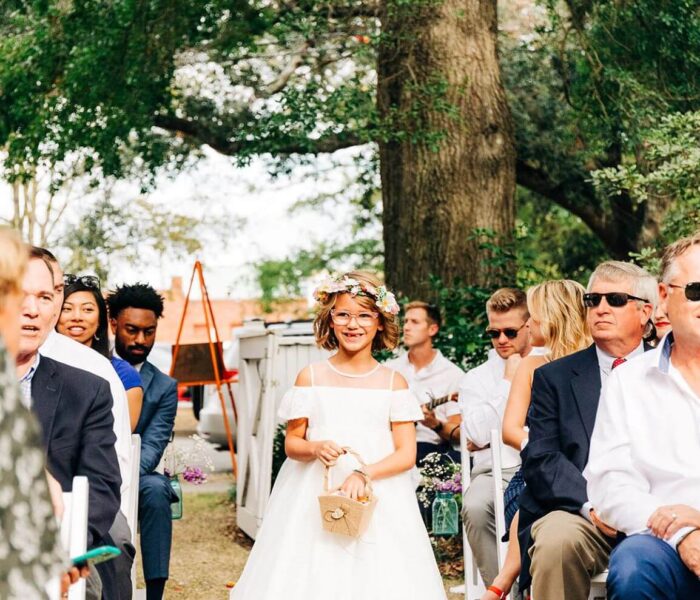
<point>294,558</point>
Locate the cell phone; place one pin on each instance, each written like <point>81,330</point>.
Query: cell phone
<point>95,556</point>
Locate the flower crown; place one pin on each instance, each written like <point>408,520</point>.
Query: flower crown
<point>385,300</point>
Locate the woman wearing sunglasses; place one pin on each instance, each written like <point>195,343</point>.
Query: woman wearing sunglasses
<point>557,322</point>
<point>84,319</point>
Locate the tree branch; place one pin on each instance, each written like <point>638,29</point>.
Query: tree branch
<point>230,147</point>
<point>285,75</point>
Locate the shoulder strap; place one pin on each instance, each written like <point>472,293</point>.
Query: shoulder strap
<point>311,372</point>
<point>391,382</point>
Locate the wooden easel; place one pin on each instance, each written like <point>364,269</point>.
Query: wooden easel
<point>220,376</point>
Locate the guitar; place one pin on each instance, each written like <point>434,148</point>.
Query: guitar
<point>435,402</point>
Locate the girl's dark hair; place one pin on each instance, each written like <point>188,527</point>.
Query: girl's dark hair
<point>100,342</point>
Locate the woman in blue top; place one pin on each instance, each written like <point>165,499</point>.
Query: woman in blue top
<point>84,319</point>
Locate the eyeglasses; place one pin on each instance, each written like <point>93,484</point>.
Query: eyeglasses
<point>363,319</point>
<point>509,332</point>
<point>692,290</point>
<point>615,299</point>
<point>90,281</point>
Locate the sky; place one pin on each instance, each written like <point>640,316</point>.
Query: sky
<point>254,210</point>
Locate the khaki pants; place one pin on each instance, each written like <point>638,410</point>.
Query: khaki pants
<point>567,551</point>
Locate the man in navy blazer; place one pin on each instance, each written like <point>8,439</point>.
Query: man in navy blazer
<point>559,530</point>
<point>134,311</point>
<point>74,408</point>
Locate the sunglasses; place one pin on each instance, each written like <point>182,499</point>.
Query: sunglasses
<point>615,299</point>
<point>509,332</point>
<point>90,281</point>
<point>692,290</point>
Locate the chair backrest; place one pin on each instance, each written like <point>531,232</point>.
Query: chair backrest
<point>132,516</point>
<point>473,585</point>
<point>74,528</point>
<point>132,506</point>
<point>501,547</point>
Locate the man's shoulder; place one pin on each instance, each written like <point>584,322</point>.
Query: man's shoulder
<point>61,349</point>
<point>73,376</point>
<point>451,368</point>
<point>160,378</point>
<point>567,364</point>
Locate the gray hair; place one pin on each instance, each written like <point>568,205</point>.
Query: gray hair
<point>673,251</point>
<point>643,284</point>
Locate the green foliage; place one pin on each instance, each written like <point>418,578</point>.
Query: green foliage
<point>136,232</point>
<point>278,452</point>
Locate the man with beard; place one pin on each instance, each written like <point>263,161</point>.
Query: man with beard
<point>134,311</point>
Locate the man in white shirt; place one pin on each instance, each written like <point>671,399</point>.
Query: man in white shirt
<point>643,471</point>
<point>430,376</point>
<point>483,393</point>
<point>72,353</point>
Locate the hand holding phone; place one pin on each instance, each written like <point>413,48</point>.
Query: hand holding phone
<point>95,556</point>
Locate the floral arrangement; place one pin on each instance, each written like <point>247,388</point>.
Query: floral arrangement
<point>385,300</point>
<point>192,464</point>
<point>439,473</point>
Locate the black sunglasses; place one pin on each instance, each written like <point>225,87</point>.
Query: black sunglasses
<point>692,290</point>
<point>90,281</point>
<point>509,332</point>
<point>616,299</point>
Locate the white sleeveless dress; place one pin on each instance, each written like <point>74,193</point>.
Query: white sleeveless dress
<point>295,559</point>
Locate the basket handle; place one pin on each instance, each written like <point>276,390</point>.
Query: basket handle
<point>363,464</point>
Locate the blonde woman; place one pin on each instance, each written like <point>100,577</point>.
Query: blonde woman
<point>557,322</point>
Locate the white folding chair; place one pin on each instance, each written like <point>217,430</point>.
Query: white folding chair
<point>598,588</point>
<point>132,516</point>
<point>501,547</point>
<point>74,528</point>
<point>473,587</point>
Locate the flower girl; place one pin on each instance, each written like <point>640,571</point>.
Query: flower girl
<point>352,401</point>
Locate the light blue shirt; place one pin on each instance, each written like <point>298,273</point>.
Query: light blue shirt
<point>25,384</point>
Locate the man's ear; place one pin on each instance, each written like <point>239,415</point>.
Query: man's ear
<point>113,326</point>
<point>433,329</point>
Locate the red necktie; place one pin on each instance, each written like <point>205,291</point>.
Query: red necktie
<point>618,361</point>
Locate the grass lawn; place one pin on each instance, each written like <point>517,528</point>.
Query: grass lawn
<point>209,551</point>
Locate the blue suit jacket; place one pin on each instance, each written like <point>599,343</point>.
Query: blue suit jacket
<point>157,415</point>
<point>74,408</point>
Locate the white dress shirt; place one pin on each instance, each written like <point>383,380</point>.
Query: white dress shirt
<point>645,447</point>
<point>439,378</point>
<point>74,354</point>
<point>483,393</point>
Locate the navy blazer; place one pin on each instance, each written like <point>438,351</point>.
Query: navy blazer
<point>74,408</point>
<point>157,417</point>
<point>563,407</point>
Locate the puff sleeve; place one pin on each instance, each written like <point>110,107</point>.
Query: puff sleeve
<point>296,404</point>
<point>405,406</point>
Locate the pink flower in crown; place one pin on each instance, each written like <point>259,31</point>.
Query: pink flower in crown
<point>386,302</point>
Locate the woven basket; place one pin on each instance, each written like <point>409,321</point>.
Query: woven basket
<point>343,515</point>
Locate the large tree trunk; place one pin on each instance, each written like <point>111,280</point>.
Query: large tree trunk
<point>448,164</point>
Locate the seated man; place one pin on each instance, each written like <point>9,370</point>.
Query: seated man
<point>483,393</point>
<point>134,311</point>
<point>430,375</point>
<point>563,543</point>
<point>644,468</point>
<point>74,409</point>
